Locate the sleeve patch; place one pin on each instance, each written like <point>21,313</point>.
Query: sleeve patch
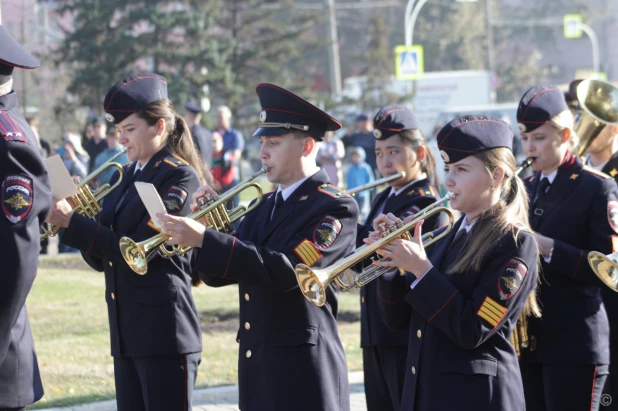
<point>411,211</point>
<point>612,214</point>
<point>307,252</point>
<point>332,191</point>
<point>492,312</point>
<point>511,277</point>
<point>17,197</point>
<point>327,232</point>
<point>175,199</point>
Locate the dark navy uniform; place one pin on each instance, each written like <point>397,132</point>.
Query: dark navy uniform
<point>154,326</point>
<point>25,198</point>
<point>459,351</point>
<point>610,300</point>
<point>385,350</point>
<point>290,355</point>
<point>566,364</point>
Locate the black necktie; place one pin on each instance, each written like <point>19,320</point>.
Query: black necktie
<point>460,238</point>
<point>278,203</point>
<point>541,190</point>
<point>130,181</point>
<point>453,249</point>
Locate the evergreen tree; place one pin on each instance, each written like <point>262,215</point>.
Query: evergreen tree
<point>269,43</point>
<point>115,38</point>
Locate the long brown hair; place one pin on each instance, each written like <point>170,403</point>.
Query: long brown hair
<point>509,215</point>
<point>180,140</point>
<point>178,134</point>
<point>415,139</point>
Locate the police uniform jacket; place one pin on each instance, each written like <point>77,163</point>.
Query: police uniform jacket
<point>579,213</point>
<point>413,199</point>
<point>26,198</point>
<point>152,314</point>
<point>290,353</point>
<point>610,298</point>
<point>459,353</point>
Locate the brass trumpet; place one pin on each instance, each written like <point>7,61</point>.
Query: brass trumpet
<point>220,219</point>
<point>376,183</point>
<point>313,282</point>
<point>87,201</point>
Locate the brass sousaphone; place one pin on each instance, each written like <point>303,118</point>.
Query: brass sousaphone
<point>599,102</point>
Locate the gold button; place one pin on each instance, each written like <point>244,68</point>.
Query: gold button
<point>113,296</point>
<point>419,334</point>
<point>248,354</point>
<point>110,264</point>
<point>363,300</point>
<point>247,326</point>
<point>246,297</point>
<point>413,370</point>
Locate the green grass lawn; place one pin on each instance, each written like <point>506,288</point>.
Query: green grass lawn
<point>69,321</point>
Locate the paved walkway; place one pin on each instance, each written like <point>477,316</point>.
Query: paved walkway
<point>226,398</point>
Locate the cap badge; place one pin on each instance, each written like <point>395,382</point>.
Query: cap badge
<point>109,117</point>
<point>263,116</point>
<point>444,156</point>
<point>377,133</point>
<point>522,127</point>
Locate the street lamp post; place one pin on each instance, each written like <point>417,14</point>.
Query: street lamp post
<point>596,61</point>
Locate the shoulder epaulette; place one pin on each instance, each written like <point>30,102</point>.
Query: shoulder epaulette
<point>332,191</point>
<point>175,161</point>
<point>425,191</point>
<point>10,131</point>
<point>597,173</point>
<point>530,177</point>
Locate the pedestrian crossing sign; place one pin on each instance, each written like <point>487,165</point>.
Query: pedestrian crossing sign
<point>409,64</point>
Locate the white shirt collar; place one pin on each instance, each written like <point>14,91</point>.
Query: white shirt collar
<point>287,192</point>
<point>139,166</point>
<point>551,177</point>
<point>465,226</point>
<point>397,192</point>
<point>599,167</point>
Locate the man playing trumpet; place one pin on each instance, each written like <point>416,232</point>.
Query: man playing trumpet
<point>290,352</point>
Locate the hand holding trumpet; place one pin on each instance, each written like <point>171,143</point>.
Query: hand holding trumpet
<point>407,255</point>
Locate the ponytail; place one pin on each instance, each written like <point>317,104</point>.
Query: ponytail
<point>179,136</point>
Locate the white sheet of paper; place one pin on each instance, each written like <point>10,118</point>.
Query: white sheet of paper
<point>62,184</point>
<point>151,199</point>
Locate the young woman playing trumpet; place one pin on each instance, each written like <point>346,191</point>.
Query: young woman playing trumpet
<point>462,303</point>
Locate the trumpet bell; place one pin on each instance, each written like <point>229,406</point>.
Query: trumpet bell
<point>311,285</point>
<point>134,255</point>
<point>605,267</point>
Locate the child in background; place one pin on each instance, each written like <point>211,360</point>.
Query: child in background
<point>359,173</point>
<point>221,168</point>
